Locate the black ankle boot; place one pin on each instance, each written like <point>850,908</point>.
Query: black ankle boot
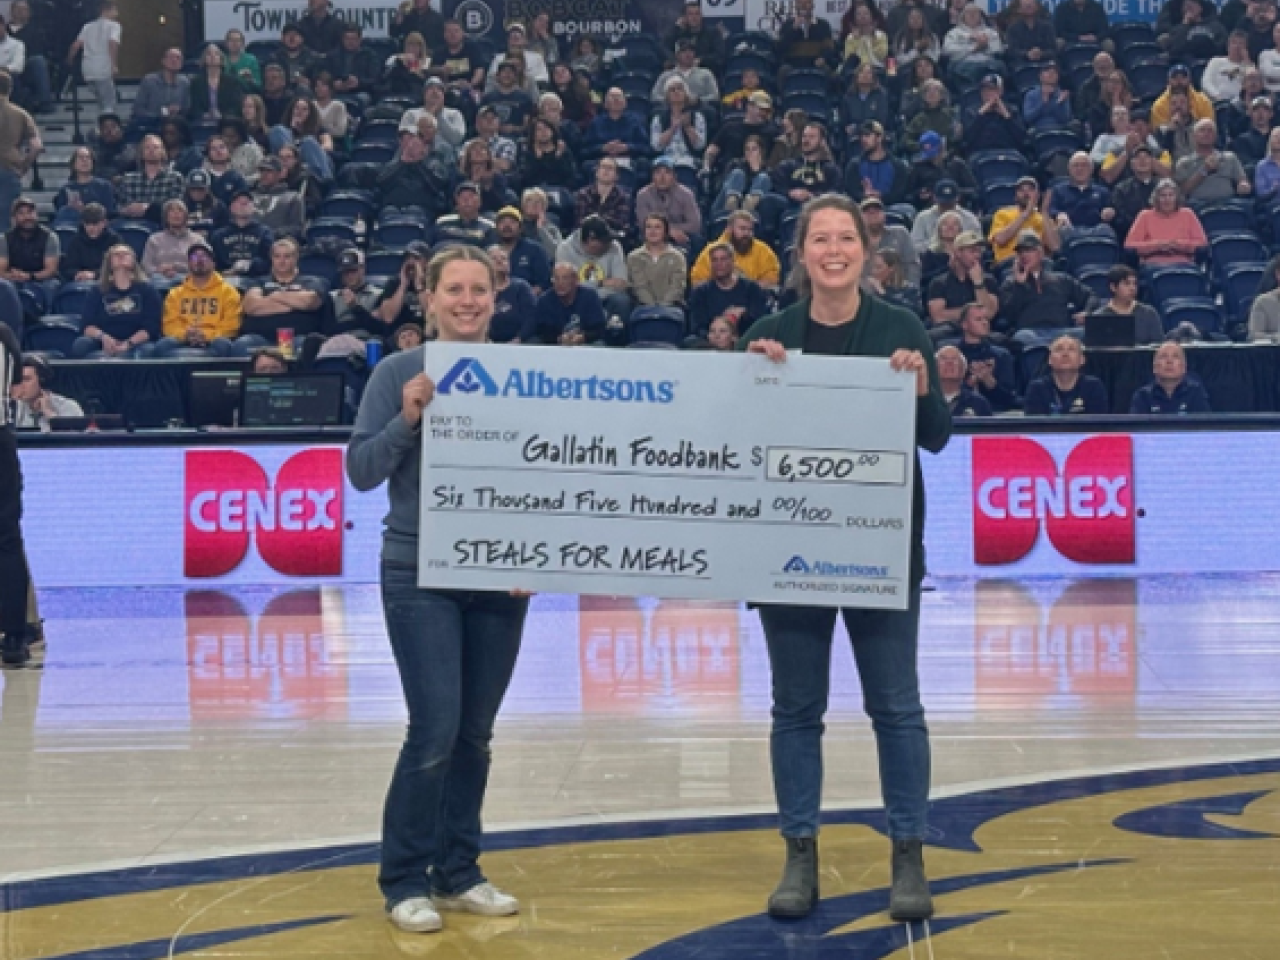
<point>14,651</point>
<point>909,897</point>
<point>797,892</point>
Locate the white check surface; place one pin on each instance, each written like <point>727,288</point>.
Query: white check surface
<point>669,474</point>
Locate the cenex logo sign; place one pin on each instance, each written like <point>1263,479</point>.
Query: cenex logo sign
<point>824,568</point>
<point>296,522</point>
<point>1086,507</point>
<point>469,377</point>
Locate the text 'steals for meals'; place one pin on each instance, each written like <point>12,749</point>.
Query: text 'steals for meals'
<point>668,474</point>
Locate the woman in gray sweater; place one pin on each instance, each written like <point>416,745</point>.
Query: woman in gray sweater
<point>456,650</point>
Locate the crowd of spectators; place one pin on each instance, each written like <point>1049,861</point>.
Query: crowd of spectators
<point>1021,177</point>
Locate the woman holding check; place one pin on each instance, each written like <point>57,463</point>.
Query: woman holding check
<point>455,650</point>
<point>835,317</point>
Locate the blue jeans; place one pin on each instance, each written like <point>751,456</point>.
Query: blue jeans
<point>10,190</point>
<point>456,651</point>
<point>884,647</point>
<point>313,155</point>
<point>735,185</point>
<point>36,76</point>
<point>167,347</point>
<point>86,348</point>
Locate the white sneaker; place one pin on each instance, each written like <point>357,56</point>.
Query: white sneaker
<point>416,915</point>
<point>484,899</point>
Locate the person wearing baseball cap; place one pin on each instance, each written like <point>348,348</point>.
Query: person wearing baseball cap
<point>946,199</point>
<point>1180,82</point>
<point>355,298</point>
<point>465,225</point>
<point>526,259</point>
<point>1047,106</point>
<point>282,210</point>
<point>298,60</point>
<point>403,301</point>
<point>995,126</point>
<point>1040,303</point>
<point>875,171</point>
<point>1250,146</point>
<point>1133,194</point>
<point>205,213</point>
<point>202,315</point>
<point>699,81</point>
<point>964,282</point>
<point>243,247</point>
<point>1026,215</point>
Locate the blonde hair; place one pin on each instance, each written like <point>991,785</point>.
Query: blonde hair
<point>106,276</point>
<point>459,254</point>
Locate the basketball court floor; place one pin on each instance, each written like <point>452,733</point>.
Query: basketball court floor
<point>200,774</point>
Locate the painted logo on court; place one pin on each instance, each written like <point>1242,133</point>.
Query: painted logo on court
<point>295,520</point>
<point>1072,868</point>
<point>1086,507</point>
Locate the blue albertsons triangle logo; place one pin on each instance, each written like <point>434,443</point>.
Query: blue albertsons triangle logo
<point>796,564</point>
<point>468,376</point>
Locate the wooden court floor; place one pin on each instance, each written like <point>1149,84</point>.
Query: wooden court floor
<point>200,774</point>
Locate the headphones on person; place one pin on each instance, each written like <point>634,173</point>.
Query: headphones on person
<point>44,372</point>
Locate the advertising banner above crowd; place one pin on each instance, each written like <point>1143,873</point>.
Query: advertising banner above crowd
<point>1111,505</point>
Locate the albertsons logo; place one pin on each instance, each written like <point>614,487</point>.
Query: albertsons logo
<point>469,377</point>
<point>799,566</point>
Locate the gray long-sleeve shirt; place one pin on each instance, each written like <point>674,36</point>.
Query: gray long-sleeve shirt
<point>384,447</point>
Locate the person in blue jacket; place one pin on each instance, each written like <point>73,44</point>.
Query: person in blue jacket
<point>617,132</point>
<point>1065,391</point>
<point>1172,390</point>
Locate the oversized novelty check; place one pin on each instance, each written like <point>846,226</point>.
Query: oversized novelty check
<point>669,474</point>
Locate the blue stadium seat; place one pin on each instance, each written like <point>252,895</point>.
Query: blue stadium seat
<point>135,233</point>
<point>1091,251</point>
<point>757,40</point>
<point>1148,79</point>
<point>1203,313</point>
<point>634,84</point>
<point>70,298</point>
<point>379,131</point>
<point>816,105</point>
<point>1095,278</point>
<point>66,233</point>
<point>53,335</point>
<point>1026,76</point>
<point>377,154</point>
<point>1126,33</point>
<point>657,325</point>
<point>331,227</point>
<point>1239,287</point>
<point>805,81</point>
<point>1031,364</point>
<point>384,263</point>
<point>1177,283</point>
<point>998,194</point>
<point>1230,249</point>
<point>995,166</point>
<point>1227,217</point>
<point>348,204</point>
<point>320,265</point>
<point>1046,142</point>
<point>750,60</point>
<point>1078,55</point>
<point>399,233</point>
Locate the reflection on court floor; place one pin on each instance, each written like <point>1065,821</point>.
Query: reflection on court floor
<point>170,729</point>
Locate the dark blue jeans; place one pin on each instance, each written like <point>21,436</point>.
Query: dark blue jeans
<point>884,648</point>
<point>456,652</point>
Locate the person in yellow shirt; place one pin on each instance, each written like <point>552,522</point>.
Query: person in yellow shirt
<point>1027,214</point>
<point>1180,82</point>
<point>737,99</point>
<point>203,314</point>
<point>753,259</point>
